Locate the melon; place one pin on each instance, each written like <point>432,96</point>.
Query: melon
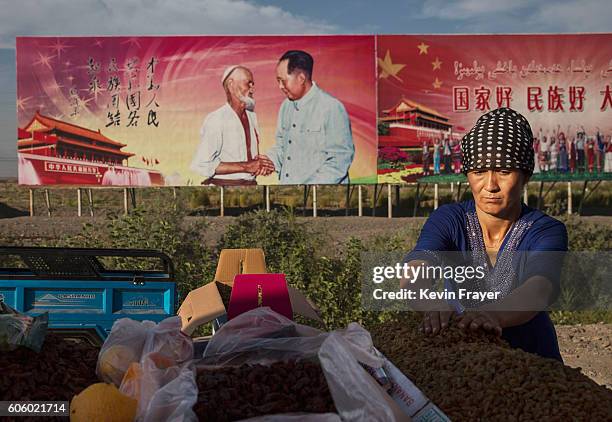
<point>102,402</point>
<point>114,362</point>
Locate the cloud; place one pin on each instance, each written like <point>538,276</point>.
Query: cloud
<point>469,9</point>
<point>149,17</point>
<point>529,16</point>
<point>574,16</point>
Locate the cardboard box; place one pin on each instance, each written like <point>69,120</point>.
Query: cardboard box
<point>206,303</point>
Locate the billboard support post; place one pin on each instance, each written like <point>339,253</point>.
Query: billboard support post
<point>389,202</point>
<point>314,200</point>
<point>435,196</point>
<point>48,202</point>
<point>221,201</point>
<point>569,198</point>
<point>91,205</point>
<point>526,195</point>
<point>31,202</point>
<point>125,201</point>
<point>267,194</point>
<point>79,203</point>
<point>359,198</point>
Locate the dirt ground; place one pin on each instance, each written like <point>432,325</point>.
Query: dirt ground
<point>586,346</point>
<point>590,348</point>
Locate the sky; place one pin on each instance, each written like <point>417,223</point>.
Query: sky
<point>204,17</point>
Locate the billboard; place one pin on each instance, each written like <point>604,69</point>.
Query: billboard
<point>212,110</point>
<point>433,88</point>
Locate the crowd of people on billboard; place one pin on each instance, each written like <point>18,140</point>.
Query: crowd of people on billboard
<point>554,152</point>
<point>579,151</point>
<point>445,154</point>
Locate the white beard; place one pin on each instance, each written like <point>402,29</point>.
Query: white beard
<point>248,102</point>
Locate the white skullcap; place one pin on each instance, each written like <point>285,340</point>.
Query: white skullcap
<point>228,71</point>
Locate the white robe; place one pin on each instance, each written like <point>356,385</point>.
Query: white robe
<point>222,139</point>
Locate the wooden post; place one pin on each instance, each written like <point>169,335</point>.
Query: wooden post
<point>314,200</point>
<point>569,198</point>
<point>79,203</point>
<point>48,202</point>
<point>31,202</point>
<point>174,195</point>
<point>452,188</point>
<point>389,202</point>
<point>91,205</point>
<point>267,193</point>
<point>526,195</point>
<point>359,198</point>
<point>133,197</point>
<point>435,196</point>
<point>125,201</point>
<point>221,201</point>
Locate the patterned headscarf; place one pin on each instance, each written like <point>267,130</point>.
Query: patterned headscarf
<point>501,138</point>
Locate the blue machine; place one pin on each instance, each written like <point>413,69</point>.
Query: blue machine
<point>81,294</point>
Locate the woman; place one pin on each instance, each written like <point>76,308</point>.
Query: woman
<point>456,156</point>
<point>425,158</point>
<point>554,154</point>
<point>590,153</point>
<point>446,154</point>
<point>536,155</point>
<point>498,229</point>
<point>436,156</point>
<point>608,163</point>
<point>572,155</point>
<point>562,153</point>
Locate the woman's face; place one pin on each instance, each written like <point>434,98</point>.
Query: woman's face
<point>497,191</point>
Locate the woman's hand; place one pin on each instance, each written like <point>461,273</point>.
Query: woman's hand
<point>435,321</point>
<point>480,320</point>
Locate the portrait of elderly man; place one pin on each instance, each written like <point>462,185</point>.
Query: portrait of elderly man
<point>229,138</point>
<point>314,144</point>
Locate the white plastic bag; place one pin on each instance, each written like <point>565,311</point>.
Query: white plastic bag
<point>168,339</point>
<point>122,347</point>
<point>167,394</point>
<point>163,380</point>
<point>130,340</point>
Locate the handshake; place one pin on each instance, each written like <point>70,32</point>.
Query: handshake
<point>260,166</point>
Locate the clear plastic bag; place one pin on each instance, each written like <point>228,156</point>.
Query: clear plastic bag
<point>167,394</point>
<point>17,329</point>
<point>129,341</point>
<point>163,380</point>
<point>262,336</point>
<point>167,339</point>
<point>122,347</point>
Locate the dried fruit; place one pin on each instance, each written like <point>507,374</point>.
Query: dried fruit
<point>475,376</point>
<point>235,393</point>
